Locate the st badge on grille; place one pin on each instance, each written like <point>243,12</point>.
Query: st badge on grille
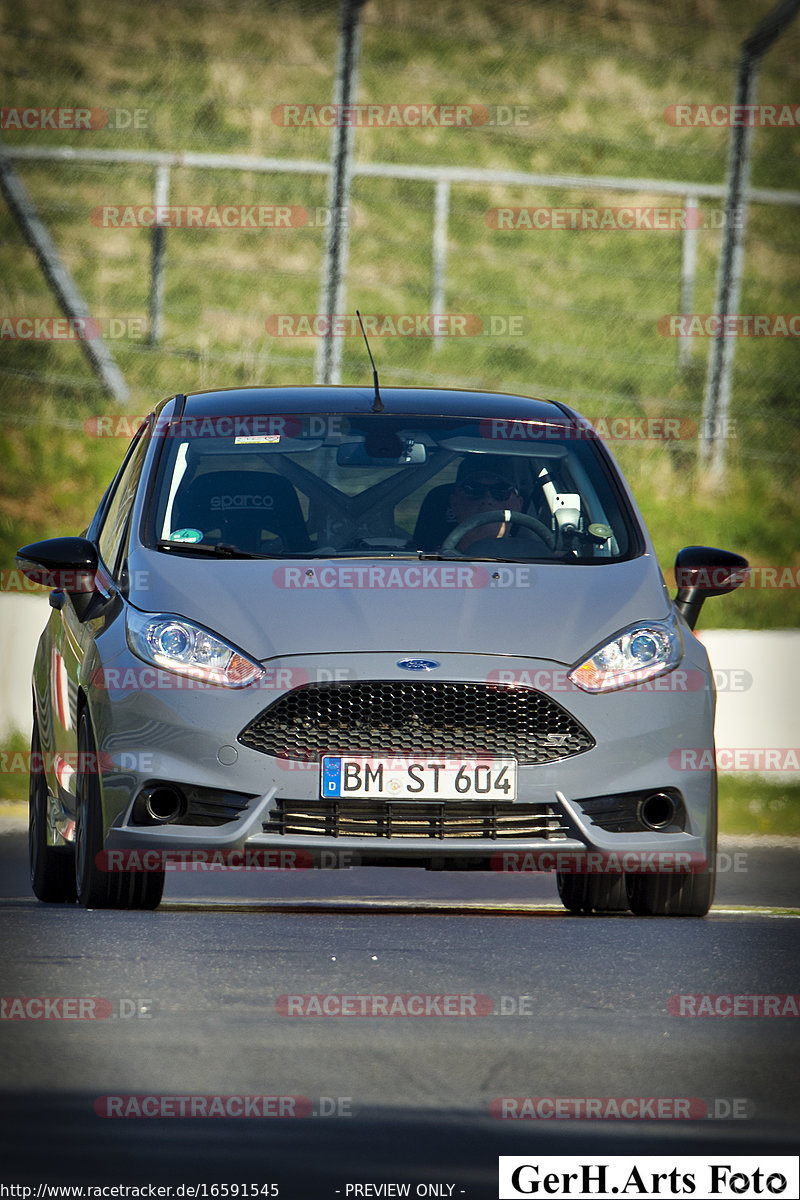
<point>418,664</point>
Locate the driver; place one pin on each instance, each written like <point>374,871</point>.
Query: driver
<point>481,487</point>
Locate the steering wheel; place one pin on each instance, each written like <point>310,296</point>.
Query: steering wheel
<point>493,517</point>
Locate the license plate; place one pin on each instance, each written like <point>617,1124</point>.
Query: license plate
<point>423,778</point>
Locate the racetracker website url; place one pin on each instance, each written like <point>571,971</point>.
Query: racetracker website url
<point>200,1191</point>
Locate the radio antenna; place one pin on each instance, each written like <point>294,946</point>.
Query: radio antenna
<point>378,403</point>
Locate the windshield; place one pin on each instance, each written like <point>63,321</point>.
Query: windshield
<point>328,485</point>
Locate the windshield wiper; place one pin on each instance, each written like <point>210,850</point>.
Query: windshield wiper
<point>218,550</point>
<point>435,556</point>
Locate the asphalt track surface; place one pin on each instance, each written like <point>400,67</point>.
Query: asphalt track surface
<point>570,1008</point>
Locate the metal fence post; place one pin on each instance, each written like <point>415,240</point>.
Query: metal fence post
<point>157,254</point>
<point>441,209</point>
<point>688,272</point>
<point>328,355</point>
<point>716,402</point>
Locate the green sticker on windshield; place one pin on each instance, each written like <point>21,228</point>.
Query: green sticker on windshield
<point>186,535</point>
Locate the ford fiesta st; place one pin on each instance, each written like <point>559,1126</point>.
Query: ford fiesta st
<point>321,626</point>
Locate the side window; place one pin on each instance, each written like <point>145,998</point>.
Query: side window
<point>119,506</point>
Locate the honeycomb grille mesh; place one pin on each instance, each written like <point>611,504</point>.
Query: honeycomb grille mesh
<point>390,717</point>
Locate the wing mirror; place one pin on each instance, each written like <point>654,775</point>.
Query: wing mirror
<point>68,564</point>
<point>702,571</point>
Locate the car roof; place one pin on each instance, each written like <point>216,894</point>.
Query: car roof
<point>396,401</point>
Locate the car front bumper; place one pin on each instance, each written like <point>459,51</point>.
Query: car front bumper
<point>650,738</point>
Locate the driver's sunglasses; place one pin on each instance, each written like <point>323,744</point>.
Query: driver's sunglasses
<point>498,491</point>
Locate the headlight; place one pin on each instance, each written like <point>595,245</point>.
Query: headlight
<point>636,654</point>
<point>178,645</point>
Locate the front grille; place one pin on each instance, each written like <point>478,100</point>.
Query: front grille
<point>416,819</point>
<point>383,717</point>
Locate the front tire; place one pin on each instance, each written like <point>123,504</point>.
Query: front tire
<point>689,895</point>
<point>97,888</point>
<point>671,895</point>
<point>52,868</point>
<point>587,894</point>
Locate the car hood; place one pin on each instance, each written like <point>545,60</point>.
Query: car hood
<point>339,606</point>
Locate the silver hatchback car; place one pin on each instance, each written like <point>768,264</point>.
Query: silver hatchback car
<point>325,627</point>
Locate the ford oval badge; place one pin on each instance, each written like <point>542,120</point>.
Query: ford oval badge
<point>418,664</point>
